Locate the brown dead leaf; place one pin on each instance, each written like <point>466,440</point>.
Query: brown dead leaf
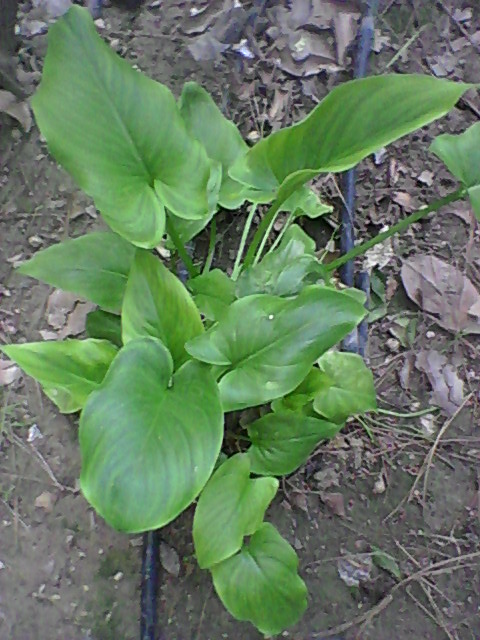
<point>60,304</point>
<point>404,200</point>
<point>335,502</point>
<point>45,501</point>
<point>206,47</point>
<point>442,290</point>
<point>447,386</point>
<point>169,559</point>
<point>426,177</point>
<point>76,320</point>
<point>346,26</point>
<point>463,210</point>
<point>9,372</point>
<point>17,109</point>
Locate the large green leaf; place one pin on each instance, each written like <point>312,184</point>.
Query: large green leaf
<point>261,584</point>
<point>266,344</point>
<point>282,442</point>
<point>149,441</point>
<point>213,293</point>
<point>231,506</point>
<point>94,266</point>
<point>219,136</point>
<point>301,398</point>
<point>284,271</point>
<point>354,120</point>
<point>304,202</point>
<point>346,388</point>
<point>68,371</point>
<point>461,154</point>
<point>120,134</point>
<point>157,304</point>
<point>105,326</point>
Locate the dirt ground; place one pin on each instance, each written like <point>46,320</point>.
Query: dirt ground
<point>63,573</point>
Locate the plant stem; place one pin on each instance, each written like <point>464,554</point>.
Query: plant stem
<point>243,241</point>
<point>414,414</point>
<point>211,247</point>
<point>285,228</point>
<point>182,252</point>
<point>260,232</point>
<point>396,228</point>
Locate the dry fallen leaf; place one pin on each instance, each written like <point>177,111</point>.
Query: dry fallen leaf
<point>447,386</point>
<point>404,200</point>
<point>16,109</point>
<point>60,304</point>
<point>45,501</point>
<point>76,320</point>
<point>335,502</point>
<point>9,372</point>
<point>169,559</point>
<point>426,177</point>
<point>442,290</point>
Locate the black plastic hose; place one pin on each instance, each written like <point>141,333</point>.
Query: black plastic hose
<point>356,341</point>
<point>149,589</point>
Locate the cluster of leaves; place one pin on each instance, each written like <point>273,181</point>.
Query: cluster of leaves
<point>164,361</point>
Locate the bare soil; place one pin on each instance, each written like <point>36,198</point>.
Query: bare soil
<point>65,575</point>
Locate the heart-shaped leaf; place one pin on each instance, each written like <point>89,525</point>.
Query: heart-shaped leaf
<point>282,442</point>
<point>213,293</point>
<point>105,326</point>
<point>95,266</point>
<point>266,344</point>
<point>149,442</point>
<point>261,584</point>
<point>68,371</point>
<point>285,270</point>
<point>354,120</point>
<point>157,304</point>
<point>120,134</point>
<point>346,389</point>
<point>461,154</point>
<point>231,506</point>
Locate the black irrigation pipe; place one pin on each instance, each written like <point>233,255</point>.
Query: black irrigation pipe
<point>356,341</point>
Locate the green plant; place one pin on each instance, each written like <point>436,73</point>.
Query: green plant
<point>164,362</point>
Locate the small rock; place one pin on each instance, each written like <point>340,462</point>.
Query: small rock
<point>379,486</point>
<point>393,345</point>
<point>118,576</point>
<point>169,559</point>
<point>34,433</point>
<point>100,23</point>
<point>35,241</point>
<point>430,334</point>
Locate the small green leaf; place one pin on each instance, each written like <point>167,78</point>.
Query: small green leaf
<point>266,344</point>
<point>95,266</point>
<point>149,442</point>
<point>347,388</point>
<point>304,202</point>
<point>68,371</point>
<point>157,304</point>
<point>261,584</point>
<point>286,270</point>
<point>220,137</point>
<point>282,442</point>
<point>461,154</point>
<point>120,134</point>
<point>300,399</point>
<point>387,562</point>
<point>213,293</point>
<point>104,326</point>
<point>354,120</point>
<point>231,506</point>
